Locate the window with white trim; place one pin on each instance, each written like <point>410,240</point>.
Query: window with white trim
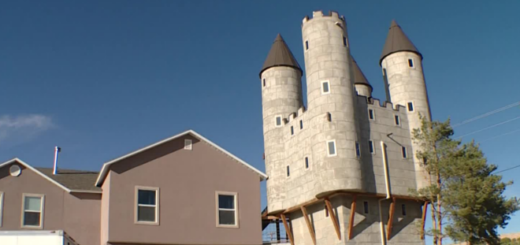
<point>1,207</point>
<point>32,215</point>
<point>371,114</point>
<point>410,106</point>
<point>397,120</point>
<point>365,207</point>
<point>147,205</point>
<point>331,148</point>
<point>325,87</point>
<point>410,63</point>
<point>371,147</point>
<point>358,150</point>
<point>227,209</point>
<point>188,144</point>
<point>278,121</point>
<point>403,151</point>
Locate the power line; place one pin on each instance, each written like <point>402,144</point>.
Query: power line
<point>487,114</point>
<point>492,126</point>
<point>517,166</point>
<point>494,137</point>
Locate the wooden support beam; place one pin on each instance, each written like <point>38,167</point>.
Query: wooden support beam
<point>352,214</point>
<point>333,217</point>
<point>309,225</point>
<point>287,228</point>
<point>425,209</point>
<point>390,220</point>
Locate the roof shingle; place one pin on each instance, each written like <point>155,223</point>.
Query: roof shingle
<point>73,179</point>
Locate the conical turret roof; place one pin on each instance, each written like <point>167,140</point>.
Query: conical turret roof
<point>359,77</point>
<point>280,55</point>
<point>397,41</point>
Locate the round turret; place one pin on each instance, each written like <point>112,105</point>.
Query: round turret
<point>361,83</point>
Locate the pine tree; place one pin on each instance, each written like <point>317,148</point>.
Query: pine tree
<point>464,193</point>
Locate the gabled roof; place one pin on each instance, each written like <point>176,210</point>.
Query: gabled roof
<point>280,55</point>
<point>359,77</point>
<point>68,180</point>
<point>106,166</point>
<point>397,41</point>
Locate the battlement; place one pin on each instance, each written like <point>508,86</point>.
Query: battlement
<point>294,115</point>
<point>319,14</point>
<point>385,104</point>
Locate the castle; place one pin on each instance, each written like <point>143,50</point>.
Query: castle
<point>340,168</point>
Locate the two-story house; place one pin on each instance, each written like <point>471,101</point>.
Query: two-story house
<point>182,190</point>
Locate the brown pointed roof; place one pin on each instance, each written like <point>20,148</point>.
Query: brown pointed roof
<point>397,41</point>
<point>280,55</point>
<point>359,77</point>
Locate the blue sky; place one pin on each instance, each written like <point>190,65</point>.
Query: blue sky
<point>102,78</point>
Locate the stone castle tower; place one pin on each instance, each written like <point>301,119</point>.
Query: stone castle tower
<point>340,168</point>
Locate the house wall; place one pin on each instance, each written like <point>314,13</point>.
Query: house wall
<point>77,215</point>
<point>187,182</point>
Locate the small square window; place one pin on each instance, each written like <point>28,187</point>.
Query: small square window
<point>365,207</point>
<point>292,130</point>
<point>32,211</point>
<point>358,150</point>
<point>188,144</point>
<point>410,63</point>
<point>278,121</point>
<point>331,148</point>
<point>147,202</point>
<point>403,209</point>
<point>306,162</point>
<point>371,146</point>
<point>227,209</point>
<point>344,41</point>
<point>403,150</point>
<point>306,45</point>
<point>397,120</point>
<point>410,106</point>
<point>301,124</point>
<point>288,171</point>
<point>371,114</point>
<point>264,82</point>
<point>325,87</point>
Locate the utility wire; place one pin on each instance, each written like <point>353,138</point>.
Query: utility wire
<point>494,137</point>
<point>487,114</point>
<point>517,166</point>
<point>492,126</point>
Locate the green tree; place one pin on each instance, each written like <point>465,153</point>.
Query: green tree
<point>464,193</point>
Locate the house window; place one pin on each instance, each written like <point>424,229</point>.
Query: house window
<point>397,120</point>
<point>344,41</point>
<point>188,144</point>
<point>410,106</point>
<point>371,114</point>
<point>331,147</point>
<point>365,207</point>
<point>32,210</point>
<point>292,130</point>
<point>403,209</point>
<point>410,63</point>
<point>403,150</point>
<point>325,87</point>
<point>147,205</point>
<point>288,171</point>
<point>264,82</point>
<point>358,150</point>
<point>306,45</point>
<point>371,146</point>
<point>227,209</point>
<point>1,207</point>
<point>306,162</point>
<point>278,121</point>
<point>301,124</point>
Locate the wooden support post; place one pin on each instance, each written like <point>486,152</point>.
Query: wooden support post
<point>333,217</point>
<point>390,220</point>
<point>352,214</point>
<point>309,225</point>
<point>425,209</point>
<point>287,228</point>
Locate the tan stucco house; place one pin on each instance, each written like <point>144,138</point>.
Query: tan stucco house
<point>182,190</point>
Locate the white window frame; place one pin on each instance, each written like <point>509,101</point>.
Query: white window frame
<point>217,208</point>
<point>398,121</point>
<point>136,205</point>
<point>373,114</point>
<point>335,148</point>
<point>358,150</point>
<point>188,144</point>
<point>1,207</point>
<point>275,121</point>
<point>42,202</point>
<point>371,143</point>
<point>404,152</point>
<point>321,88</point>
<point>408,63</point>
<point>408,107</point>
